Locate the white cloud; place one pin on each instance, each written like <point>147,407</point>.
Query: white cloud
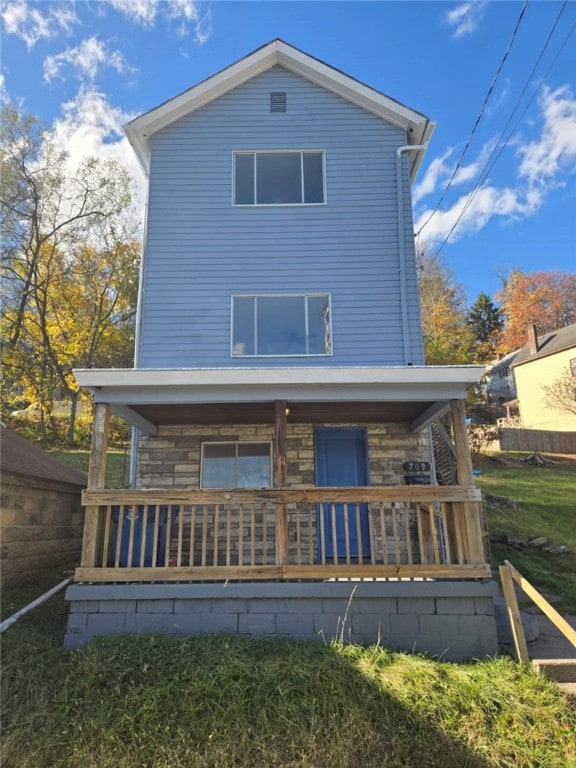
<point>466,17</point>
<point>439,172</point>
<point>4,96</point>
<point>188,13</point>
<point>544,164</point>
<point>32,24</point>
<point>488,202</point>
<point>555,149</point>
<point>436,171</point>
<point>91,126</point>
<point>87,58</point>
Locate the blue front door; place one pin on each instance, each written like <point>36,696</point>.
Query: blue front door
<point>341,458</point>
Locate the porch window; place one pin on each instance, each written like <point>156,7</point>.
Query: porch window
<point>236,465</point>
<point>279,178</point>
<point>288,325</point>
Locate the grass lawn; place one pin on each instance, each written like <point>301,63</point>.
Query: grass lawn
<point>546,497</point>
<point>229,702</point>
<point>117,468</point>
<point>221,702</point>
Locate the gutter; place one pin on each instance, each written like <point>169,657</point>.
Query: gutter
<point>402,248</point>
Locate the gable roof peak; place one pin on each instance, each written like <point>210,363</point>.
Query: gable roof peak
<point>278,52</point>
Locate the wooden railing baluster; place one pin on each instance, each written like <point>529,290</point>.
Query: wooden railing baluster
<point>395,533</point>
<point>334,533</point>
<point>346,532</point>
<point>359,534</point>
<point>407,532</point>
<point>238,533</point>
<point>106,538</point>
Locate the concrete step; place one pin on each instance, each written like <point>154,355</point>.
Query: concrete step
<point>558,670</point>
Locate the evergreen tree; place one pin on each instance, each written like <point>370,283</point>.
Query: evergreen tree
<point>486,321</point>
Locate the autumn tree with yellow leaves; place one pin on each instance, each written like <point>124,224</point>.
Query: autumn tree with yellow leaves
<point>69,267</point>
<point>448,339</point>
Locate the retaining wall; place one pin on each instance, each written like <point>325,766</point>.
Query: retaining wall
<point>40,527</point>
<point>454,619</point>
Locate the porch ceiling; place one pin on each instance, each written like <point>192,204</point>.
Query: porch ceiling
<point>147,398</point>
<point>263,413</point>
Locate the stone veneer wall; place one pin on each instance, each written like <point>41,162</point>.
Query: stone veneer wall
<point>172,457</point>
<point>454,619</point>
<point>40,527</point>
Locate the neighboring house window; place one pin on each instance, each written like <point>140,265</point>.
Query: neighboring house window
<point>236,465</point>
<point>279,178</point>
<point>281,325</point>
<point>573,366</point>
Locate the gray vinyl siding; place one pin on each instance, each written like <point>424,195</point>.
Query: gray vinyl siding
<point>201,249</point>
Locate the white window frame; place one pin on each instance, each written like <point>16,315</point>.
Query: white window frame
<point>277,296</point>
<point>236,443</point>
<point>255,152</point>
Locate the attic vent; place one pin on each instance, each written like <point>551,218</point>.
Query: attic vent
<point>278,101</point>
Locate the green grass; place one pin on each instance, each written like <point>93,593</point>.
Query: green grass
<point>223,702</point>
<point>546,497</point>
<point>228,702</point>
<point>117,467</point>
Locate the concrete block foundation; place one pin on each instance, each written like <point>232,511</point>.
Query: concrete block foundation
<point>454,619</point>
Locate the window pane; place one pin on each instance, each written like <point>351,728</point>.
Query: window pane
<point>313,180</point>
<point>319,331</point>
<point>278,178</point>
<point>254,465</point>
<point>244,180</point>
<point>281,325</point>
<point>219,466</point>
<point>243,324</point>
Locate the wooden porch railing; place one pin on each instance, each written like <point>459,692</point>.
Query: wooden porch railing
<point>280,533</point>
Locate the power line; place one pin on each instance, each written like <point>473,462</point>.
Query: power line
<point>480,115</point>
<point>494,157</point>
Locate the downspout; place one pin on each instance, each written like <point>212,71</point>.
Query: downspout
<point>137,336</point>
<point>402,248</point>
<point>39,600</point>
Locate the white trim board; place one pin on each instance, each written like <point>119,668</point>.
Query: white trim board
<point>319,377</point>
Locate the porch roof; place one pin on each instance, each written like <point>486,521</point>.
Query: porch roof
<point>146,398</point>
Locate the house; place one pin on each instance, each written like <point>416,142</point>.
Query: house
<point>41,517</point>
<point>498,380</point>
<point>283,473</point>
<point>542,361</point>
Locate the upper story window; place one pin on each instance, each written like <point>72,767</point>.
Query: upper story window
<point>281,325</point>
<point>279,178</point>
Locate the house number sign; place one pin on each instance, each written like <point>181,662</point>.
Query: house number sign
<point>416,466</point>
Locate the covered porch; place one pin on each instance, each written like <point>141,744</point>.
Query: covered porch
<point>298,527</point>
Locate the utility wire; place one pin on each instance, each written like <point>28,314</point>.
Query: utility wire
<point>480,115</point>
<point>497,151</point>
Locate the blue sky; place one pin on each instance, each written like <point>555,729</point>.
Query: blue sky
<point>87,67</point>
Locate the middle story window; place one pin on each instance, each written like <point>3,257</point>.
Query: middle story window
<point>279,178</point>
<point>281,325</point>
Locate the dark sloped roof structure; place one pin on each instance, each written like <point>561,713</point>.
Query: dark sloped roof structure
<point>548,344</point>
<point>21,457</point>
